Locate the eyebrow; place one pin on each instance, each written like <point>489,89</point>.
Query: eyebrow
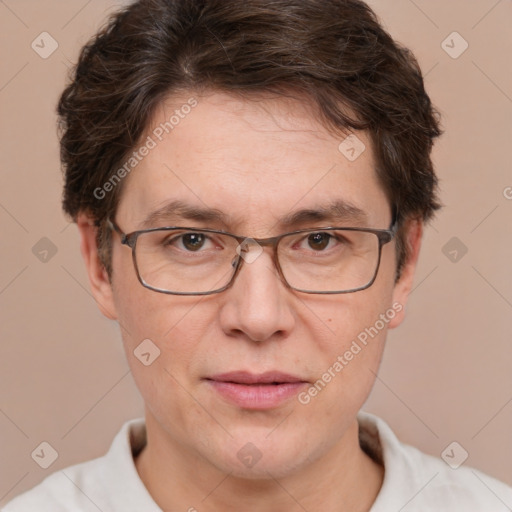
<point>336,211</point>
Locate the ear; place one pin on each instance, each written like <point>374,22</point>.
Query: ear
<point>412,239</point>
<point>101,287</point>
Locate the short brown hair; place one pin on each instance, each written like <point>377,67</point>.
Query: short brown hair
<point>333,52</point>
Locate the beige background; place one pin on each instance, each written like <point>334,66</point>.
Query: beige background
<point>447,372</point>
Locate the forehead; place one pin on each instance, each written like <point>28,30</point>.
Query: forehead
<point>254,160</point>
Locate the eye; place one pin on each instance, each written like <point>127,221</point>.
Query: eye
<point>193,241</point>
<point>190,242</point>
<point>322,242</point>
<point>319,241</point>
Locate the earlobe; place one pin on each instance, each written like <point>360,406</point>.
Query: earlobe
<point>101,287</point>
<point>403,286</point>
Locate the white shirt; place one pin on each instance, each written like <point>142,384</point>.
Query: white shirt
<point>413,481</point>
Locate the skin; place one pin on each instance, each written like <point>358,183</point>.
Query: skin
<point>257,161</point>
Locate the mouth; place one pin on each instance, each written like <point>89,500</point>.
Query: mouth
<point>256,391</point>
<point>246,378</point>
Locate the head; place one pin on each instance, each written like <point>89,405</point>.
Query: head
<point>244,109</point>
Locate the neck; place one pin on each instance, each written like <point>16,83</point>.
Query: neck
<point>345,479</point>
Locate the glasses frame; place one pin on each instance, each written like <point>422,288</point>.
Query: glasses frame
<point>384,236</point>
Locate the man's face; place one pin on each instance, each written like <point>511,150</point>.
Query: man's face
<point>257,162</point>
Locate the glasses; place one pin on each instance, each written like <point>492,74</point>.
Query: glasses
<point>191,261</point>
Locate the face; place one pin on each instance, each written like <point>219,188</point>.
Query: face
<point>256,162</point>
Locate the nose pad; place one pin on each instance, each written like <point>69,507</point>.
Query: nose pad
<point>249,250</point>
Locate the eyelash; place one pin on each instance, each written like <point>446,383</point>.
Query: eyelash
<point>171,240</point>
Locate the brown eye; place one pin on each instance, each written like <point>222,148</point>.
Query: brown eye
<point>319,241</point>
<point>193,241</point>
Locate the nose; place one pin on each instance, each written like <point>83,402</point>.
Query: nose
<point>258,304</point>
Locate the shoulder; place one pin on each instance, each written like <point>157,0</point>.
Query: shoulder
<point>110,482</point>
<point>61,491</point>
<point>415,481</point>
<point>445,487</point>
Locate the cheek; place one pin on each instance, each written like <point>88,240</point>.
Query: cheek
<point>166,327</point>
<point>144,313</point>
<point>161,334</point>
<point>352,347</point>
<point>174,324</point>
<point>350,362</point>
<point>362,316</point>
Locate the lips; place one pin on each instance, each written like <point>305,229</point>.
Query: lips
<point>246,390</point>
<point>272,377</point>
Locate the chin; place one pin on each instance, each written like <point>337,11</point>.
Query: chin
<point>264,470</point>
<point>257,458</point>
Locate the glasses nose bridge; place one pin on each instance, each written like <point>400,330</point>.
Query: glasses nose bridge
<point>268,242</point>
<point>272,242</point>
<point>261,242</point>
